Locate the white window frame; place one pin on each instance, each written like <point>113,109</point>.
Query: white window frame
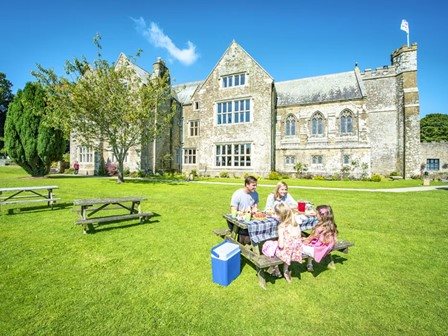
<point>346,123</point>
<point>290,160</point>
<point>233,80</point>
<point>346,159</point>
<point>235,155</point>
<point>85,154</point>
<point>290,126</point>
<point>190,155</point>
<point>317,125</point>
<point>317,159</point>
<point>193,128</point>
<point>234,112</point>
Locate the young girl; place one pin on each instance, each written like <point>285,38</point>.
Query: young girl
<point>289,240</point>
<point>322,238</point>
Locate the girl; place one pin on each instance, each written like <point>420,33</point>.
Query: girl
<point>322,238</point>
<point>289,240</point>
<point>280,195</point>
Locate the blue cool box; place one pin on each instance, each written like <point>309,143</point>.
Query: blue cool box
<point>226,263</point>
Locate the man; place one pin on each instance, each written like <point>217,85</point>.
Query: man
<point>245,199</point>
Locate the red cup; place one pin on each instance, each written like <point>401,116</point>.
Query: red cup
<point>301,206</point>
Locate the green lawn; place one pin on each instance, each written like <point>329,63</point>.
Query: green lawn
<point>155,278</point>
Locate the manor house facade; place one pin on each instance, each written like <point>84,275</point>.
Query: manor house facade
<point>240,120</point>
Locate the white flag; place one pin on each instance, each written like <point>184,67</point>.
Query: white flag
<point>404,26</point>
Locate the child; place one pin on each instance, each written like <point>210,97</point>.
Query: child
<point>289,238</point>
<point>322,238</point>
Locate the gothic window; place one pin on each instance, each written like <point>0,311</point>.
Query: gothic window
<point>317,125</point>
<point>346,125</point>
<point>290,126</point>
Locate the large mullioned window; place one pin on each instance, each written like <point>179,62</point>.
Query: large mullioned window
<point>85,154</point>
<point>346,123</point>
<point>233,155</point>
<point>290,126</point>
<point>190,156</point>
<point>317,125</point>
<point>233,112</point>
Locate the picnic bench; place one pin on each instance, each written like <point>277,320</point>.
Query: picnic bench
<point>17,195</point>
<point>260,231</point>
<point>90,207</point>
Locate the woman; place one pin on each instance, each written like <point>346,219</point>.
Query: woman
<point>280,195</point>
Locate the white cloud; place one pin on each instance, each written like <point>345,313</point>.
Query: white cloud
<point>157,38</point>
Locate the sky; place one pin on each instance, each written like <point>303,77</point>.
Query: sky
<point>290,39</point>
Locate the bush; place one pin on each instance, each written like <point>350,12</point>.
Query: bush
<point>273,175</point>
<point>112,169</point>
<point>394,173</point>
<point>224,174</point>
<point>375,178</point>
<point>318,178</point>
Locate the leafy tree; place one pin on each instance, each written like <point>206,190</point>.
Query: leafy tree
<point>434,127</point>
<point>31,143</point>
<point>108,104</point>
<point>6,97</point>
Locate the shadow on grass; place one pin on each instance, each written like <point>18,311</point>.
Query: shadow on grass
<point>322,266</point>
<point>38,208</point>
<point>98,228</point>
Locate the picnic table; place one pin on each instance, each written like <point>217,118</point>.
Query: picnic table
<point>90,207</point>
<point>259,232</point>
<point>17,195</point>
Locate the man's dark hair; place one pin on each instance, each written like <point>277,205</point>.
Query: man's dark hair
<point>249,180</point>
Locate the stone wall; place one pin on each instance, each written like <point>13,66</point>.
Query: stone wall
<point>435,150</point>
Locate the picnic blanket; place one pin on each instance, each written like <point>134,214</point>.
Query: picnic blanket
<point>264,229</point>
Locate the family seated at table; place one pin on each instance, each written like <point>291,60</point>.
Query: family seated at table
<point>290,245</point>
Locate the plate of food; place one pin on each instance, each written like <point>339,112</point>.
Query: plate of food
<point>259,215</point>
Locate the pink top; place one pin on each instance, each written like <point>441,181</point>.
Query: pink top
<point>321,249</point>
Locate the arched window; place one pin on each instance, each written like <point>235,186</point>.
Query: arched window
<point>346,122</point>
<point>317,125</point>
<point>290,126</point>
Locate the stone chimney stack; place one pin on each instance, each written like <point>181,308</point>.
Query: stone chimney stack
<point>159,68</point>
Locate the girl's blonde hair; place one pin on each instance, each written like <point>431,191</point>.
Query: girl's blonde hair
<point>279,185</point>
<point>326,223</point>
<point>285,214</point>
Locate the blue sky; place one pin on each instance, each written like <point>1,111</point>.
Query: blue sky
<point>290,39</point>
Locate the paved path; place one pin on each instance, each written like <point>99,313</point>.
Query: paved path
<point>391,190</point>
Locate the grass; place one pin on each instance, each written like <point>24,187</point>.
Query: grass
<point>155,278</point>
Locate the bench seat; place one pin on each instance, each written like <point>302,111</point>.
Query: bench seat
<point>117,218</point>
<point>52,200</point>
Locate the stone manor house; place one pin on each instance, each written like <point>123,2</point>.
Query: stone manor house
<point>240,120</point>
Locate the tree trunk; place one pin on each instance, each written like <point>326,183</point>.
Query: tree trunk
<point>120,177</point>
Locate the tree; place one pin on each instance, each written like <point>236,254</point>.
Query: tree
<point>434,127</point>
<point>6,97</point>
<point>31,143</point>
<point>107,103</point>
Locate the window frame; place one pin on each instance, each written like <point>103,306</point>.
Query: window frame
<point>344,123</point>
<point>233,155</point>
<point>320,127</point>
<point>433,164</point>
<point>193,128</point>
<point>290,125</point>
<point>288,159</point>
<point>190,155</point>
<point>233,80</point>
<point>85,154</point>
<point>232,112</point>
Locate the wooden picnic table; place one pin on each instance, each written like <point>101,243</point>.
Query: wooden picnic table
<point>92,206</point>
<point>32,194</point>
<point>259,232</point>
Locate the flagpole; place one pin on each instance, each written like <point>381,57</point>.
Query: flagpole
<point>408,38</point>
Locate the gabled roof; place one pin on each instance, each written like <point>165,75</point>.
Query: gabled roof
<point>233,43</point>
<point>320,89</point>
<point>183,92</point>
<point>143,74</point>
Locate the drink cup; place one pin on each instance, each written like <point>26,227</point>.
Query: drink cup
<point>301,206</point>
<point>247,216</point>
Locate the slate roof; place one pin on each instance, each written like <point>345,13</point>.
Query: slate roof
<point>320,89</point>
<point>185,91</point>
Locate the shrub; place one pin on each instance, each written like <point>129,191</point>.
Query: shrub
<point>273,175</point>
<point>224,174</point>
<point>375,178</point>
<point>318,178</point>
<point>394,173</point>
<point>112,169</point>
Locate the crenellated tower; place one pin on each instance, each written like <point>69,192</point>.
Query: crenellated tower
<point>405,61</point>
